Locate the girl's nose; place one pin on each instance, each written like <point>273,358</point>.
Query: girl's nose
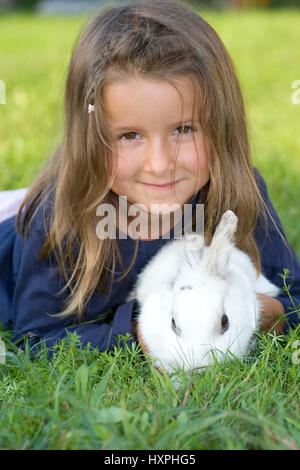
<point>159,158</point>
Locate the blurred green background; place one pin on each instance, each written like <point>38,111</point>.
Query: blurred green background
<point>264,43</point>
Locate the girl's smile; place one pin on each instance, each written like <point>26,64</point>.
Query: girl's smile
<point>162,187</point>
<point>160,151</point>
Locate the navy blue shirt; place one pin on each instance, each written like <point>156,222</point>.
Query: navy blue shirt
<point>29,287</point>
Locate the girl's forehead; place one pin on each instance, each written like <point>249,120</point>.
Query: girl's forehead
<point>160,99</point>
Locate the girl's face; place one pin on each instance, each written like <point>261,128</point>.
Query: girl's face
<point>151,123</point>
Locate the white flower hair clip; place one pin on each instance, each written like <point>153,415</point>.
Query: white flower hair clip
<point>91,108</point>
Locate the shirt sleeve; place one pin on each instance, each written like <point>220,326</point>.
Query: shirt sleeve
<point>102,336</point>
<point>37,299</point>
<point>277,255</point>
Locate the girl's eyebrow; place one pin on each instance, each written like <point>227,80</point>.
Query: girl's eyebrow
<point>183,122</point>
<point>137,128</point>
<point>126,129</point>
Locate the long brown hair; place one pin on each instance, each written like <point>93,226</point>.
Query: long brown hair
<point>155,39</point>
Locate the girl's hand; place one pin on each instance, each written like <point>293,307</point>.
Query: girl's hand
<point>271,316</point>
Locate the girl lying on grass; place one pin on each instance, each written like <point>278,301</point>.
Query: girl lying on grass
<point>153,112</point>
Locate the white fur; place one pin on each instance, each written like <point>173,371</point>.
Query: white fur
<point>216,280</point>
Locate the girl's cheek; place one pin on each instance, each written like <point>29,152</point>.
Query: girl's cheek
<point>127,166</point>
<point>201,153</point>
<point>130,159</point>
<point>193,156</point>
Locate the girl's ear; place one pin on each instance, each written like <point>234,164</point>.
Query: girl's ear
<point>217,255</point>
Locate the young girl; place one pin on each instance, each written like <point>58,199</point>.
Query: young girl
<point>153,112</point>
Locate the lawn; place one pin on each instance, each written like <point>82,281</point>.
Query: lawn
<point>85,400</point>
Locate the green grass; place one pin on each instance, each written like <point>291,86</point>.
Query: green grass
<point>81,399</point>
<point>85,400</point>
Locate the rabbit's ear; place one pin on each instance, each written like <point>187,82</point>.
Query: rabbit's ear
<point>217,255</point>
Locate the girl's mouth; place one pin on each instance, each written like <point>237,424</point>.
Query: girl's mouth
<point>162,187</point>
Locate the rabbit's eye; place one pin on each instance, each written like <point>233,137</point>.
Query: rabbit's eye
<point>174,327</point>
<point>224,323</point>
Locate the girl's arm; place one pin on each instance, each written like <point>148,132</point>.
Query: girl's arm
<point>35,299</point>
<point>275,257</point>
<point>272,316</point>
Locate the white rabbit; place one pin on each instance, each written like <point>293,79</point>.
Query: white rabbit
<point>193,299</point>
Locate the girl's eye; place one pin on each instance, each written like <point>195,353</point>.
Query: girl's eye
<point>184,130</point>
<point>129,136</point>
<point>181,130</point>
